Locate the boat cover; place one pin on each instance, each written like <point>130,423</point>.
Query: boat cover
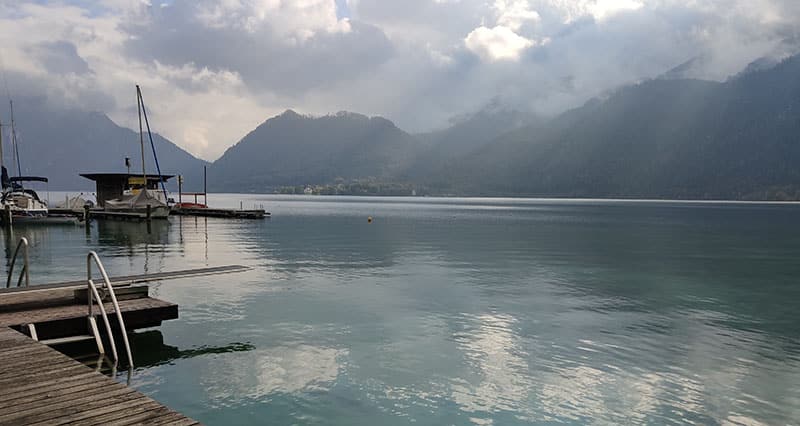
<point>137,201</point>
<point>76,203</point>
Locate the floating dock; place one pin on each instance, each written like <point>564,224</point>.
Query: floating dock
<point>39,385</point>
<point>226,213</point>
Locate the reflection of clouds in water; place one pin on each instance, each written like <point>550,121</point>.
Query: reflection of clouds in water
<point>708,378</point>
<point>614,382</point>
<point>582,393</point>
<point>503,381</point>
<point>254,375</point>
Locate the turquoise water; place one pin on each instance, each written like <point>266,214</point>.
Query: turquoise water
<point>464,311</point>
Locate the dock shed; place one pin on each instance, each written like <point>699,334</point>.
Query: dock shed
<point>110,186</point>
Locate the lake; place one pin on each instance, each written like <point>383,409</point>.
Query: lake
<point>463,311</point>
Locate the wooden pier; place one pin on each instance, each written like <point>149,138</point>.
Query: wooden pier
<point>226,213</point>
<point>41,386</point>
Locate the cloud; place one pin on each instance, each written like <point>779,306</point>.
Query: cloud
<point>60,57</point>
<point>213,70</point>
<point>514,13</point>
<point>497,43</point>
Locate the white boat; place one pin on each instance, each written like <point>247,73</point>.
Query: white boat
<point>139,201</point>
<point>20,202</point>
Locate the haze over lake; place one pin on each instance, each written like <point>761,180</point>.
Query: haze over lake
<point>459,311</point>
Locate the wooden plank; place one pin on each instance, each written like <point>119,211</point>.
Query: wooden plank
<point>46,384</point>
<point>42,386</point>
<point>42,412</point>
<point>9,351</point>
<point>114,410</point>
<point>124,280</point>
<point>56,313</point>
<point>123,402</point>
<point>131,415</point>
<point>97,388</point>
<point>32,365</point>
<point>44,392</point>
<point>33,376</point>
<point>173,419</point>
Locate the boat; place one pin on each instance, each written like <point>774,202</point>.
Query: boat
<point>19,202</point>
<point>21,205</point>
<point>138,197</point>
<point>140,201</point>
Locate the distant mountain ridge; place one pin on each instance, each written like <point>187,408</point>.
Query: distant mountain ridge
<point>294,149</point>
<point>659,139</point>
<point>670,137</point>
<point>60,143</point>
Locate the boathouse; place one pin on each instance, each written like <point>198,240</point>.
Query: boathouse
<point>110,186</point>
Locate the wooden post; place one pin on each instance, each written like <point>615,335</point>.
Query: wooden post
<point>148,212</point>
<point>180,189</point>
<point>86,213</point>
<point>7,215</point>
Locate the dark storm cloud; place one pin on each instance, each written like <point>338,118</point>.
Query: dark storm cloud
<point>265,60</point>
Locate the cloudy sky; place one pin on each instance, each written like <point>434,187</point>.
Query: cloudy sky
<point>213,70</point>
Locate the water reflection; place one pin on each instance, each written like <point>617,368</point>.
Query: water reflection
<point>130,234</point>
<point>255,375</point>
<point>498,379</point>
<point>449,312</point>
<point>149,349</point>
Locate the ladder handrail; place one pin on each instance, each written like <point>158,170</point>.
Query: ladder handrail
<point>94,294</point>
<point>110,290</point>
<point>23,243</point>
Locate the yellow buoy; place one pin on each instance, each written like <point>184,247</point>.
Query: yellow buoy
<point>369,219</point>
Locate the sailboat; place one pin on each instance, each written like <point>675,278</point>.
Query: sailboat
<point>19,204</point>
<point>139,197</point>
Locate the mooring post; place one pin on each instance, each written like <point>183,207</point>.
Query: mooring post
<point>148,212</point>
<point>86,213</point>
<point>7,215</point>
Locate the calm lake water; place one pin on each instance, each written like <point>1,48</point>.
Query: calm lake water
<point>464,311</point>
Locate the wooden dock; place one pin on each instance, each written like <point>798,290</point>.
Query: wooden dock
<point>225,213</point>
<point>62,311</point>
<point>41,386</point>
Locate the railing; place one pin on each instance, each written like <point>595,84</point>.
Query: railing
<point>23,243</point>
<point>93,293</point>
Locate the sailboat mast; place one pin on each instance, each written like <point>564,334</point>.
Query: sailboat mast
<point>152,144</point>
<point>141,131</point>
<point>14,138</point>
<point>1,145</point>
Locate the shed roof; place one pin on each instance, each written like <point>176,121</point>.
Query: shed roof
<point>116,176</point>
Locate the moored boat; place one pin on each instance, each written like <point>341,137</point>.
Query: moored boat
<point>138,198</point>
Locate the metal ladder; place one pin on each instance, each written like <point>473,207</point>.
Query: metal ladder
<point>23,244</point>
<point>94,332</point>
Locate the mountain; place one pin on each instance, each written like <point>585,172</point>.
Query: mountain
<point>658,139</point>
<point>60,143</point>
<point>467,133</point>
<point>294,149</point>
<point>670,137</point>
